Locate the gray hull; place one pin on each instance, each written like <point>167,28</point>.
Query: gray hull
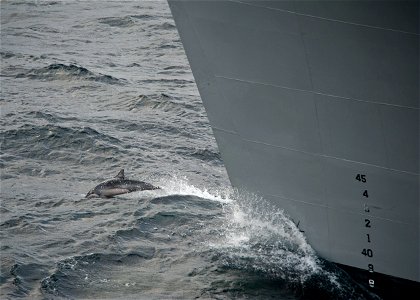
<point>315,106</point>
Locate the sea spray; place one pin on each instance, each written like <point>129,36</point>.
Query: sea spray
<point>180,185</point>
<point>251,234</point>
<point>255,236</point>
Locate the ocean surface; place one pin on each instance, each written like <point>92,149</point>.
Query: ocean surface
<point>92,87</point>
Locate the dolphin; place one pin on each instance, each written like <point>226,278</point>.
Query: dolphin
<point>117,186</point>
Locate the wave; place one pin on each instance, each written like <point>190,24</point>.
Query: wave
<point>129,21</point>
<point>36,3</point>
<point>159,101</point>
<point>168,26</point>
<point>77,275</point>
<point>126,21</point>
<point>155,101</point>
<point>20,221</point>
<point>8,54</point>
<point>184,68</point>
<point>25,279</point>
<point>50,117</point>
<point>180,82</point>
<point>168,216</point>
<point>59,143</point>
<point>207,155</point>
<point>168,46</point>
<point>143,17</point>
<point>165,26</point>
<point>68,72</point>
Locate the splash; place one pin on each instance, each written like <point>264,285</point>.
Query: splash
<point>180,185</point>
<point>258,237</point>
<point>253,235</point>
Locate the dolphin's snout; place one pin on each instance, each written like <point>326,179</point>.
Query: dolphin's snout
<point>91,194</point>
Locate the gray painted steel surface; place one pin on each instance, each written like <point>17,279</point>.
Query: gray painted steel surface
<point>315,106</point>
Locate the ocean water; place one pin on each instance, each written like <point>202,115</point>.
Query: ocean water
<point>89,88</point>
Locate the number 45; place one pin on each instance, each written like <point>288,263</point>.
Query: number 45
<point>361,177</point>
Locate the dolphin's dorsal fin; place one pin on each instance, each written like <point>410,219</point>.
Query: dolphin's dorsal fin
<point>120,174</point>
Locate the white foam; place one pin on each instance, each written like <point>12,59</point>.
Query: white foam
<point>252,234</point>
<point>181,186</point>
<point>258,236</point>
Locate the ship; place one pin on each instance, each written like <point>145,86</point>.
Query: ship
<point>314,105</point>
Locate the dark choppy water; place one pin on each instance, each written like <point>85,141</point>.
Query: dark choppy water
<point>88,88</point>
